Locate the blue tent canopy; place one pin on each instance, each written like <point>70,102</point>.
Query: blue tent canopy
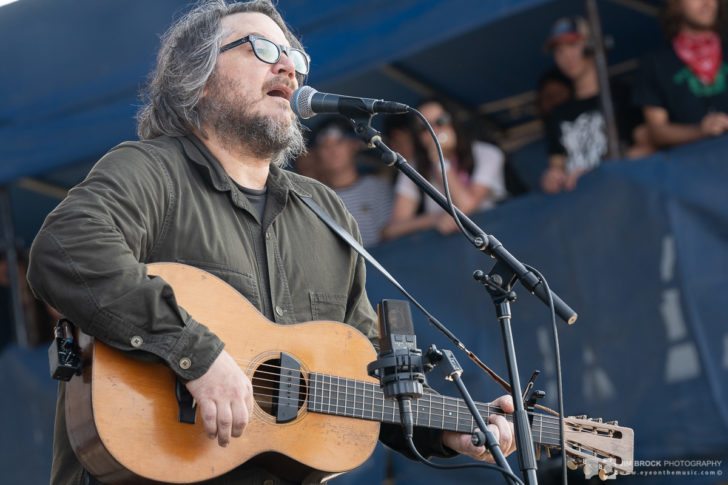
<point>72,70</point>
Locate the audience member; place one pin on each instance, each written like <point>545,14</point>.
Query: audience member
<point>367,197</point>
<point>526,164</point>
<point>554,89</point>
<point>683,88</point>
<point>400,134</point>
<point>575,130</point>
<point>474,173</point>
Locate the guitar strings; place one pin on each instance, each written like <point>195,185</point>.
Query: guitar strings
<point>346,387</point>
<point>453,401</point>
<point>542,433</point>
<point>388,405</point>
<point>551,420</point>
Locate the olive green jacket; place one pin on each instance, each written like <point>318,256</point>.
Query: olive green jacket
<point>169,199</point>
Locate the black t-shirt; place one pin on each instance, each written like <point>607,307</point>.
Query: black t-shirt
<point>576,129</point>
<point>665,81</point>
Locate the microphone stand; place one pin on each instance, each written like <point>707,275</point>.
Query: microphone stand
<point>507,270</point>
<point>451,370</point>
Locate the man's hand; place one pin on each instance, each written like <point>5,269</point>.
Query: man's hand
<point>714,124</point>
<point>225,397</point>
<point>499,426</point>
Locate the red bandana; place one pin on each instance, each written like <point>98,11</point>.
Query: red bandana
<point>702,53</point>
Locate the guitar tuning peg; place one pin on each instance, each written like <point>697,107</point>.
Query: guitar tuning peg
<point>572,465</point>
<point>580,416</point>
<point>615,422</point>
<point>597,420</point>
<point>604,474</point>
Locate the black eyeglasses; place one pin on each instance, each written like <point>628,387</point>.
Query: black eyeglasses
<point>270,52</point>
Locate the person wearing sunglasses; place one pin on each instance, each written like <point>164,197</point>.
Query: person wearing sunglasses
<point>204,186</point>
<point>475,171</point>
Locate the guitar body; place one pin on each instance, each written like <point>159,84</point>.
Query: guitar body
<point>122,413</point>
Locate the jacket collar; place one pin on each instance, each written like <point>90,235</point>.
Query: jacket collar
<point>279,181</point>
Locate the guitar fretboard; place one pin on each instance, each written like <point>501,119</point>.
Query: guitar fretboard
<point>365,400</point>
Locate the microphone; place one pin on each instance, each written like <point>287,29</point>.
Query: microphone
<point>306,102</point>
<point>400,366</point>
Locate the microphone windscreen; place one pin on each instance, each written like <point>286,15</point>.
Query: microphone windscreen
<point>301,102</point>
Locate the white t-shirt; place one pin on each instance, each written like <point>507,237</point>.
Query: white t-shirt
<point>488,170</point>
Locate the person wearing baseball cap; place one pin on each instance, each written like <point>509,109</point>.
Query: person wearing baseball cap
<point>575,130</point>
<point>367,197</point>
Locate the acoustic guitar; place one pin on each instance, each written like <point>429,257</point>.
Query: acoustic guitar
<point>317,412</point>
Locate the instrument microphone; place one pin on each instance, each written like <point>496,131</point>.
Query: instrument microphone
<point>306,102</point>
<point>400,366</point>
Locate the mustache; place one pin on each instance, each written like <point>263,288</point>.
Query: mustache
<point>280,81</point>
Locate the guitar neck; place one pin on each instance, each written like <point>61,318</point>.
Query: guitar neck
<point>364,400</point>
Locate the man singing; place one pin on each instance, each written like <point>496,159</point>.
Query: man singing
<point>204,187</point>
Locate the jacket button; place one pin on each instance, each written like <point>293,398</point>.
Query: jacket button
<point>185,363</point>
<point>279,311</point>
<point>267,234</point>
<point>136,341</point>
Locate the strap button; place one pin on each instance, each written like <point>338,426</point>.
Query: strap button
<point>136,341</point>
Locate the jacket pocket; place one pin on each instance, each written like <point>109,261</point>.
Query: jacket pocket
<point>245,284</point>
<point>327,306</point>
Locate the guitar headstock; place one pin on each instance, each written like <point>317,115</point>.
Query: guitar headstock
<point>603,449</point>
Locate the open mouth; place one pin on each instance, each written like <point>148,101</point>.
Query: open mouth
<point>280,92</point>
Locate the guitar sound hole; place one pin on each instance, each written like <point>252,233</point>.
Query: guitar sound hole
<point>266,386</point>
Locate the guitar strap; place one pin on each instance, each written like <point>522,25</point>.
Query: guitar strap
<point>351,241</point>
<point>348,238</point>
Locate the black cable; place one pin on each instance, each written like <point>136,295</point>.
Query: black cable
<point>557,358</point>
<point>488,466</point>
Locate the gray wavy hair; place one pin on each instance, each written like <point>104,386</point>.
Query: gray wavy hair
<point>186,61</point>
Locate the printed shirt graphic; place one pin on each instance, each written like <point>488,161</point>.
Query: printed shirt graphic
<point>576,129</point>
<point>697,88</point>
<point>584,141</point>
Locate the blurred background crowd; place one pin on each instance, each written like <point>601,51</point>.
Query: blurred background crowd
<point>677,95</point>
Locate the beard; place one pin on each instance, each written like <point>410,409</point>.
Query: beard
<point>239,129</point>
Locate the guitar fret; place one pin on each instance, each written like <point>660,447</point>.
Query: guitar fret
<point>336,405</point>
<point>372,403</point>
<point>429,413</point>
<point>352,413</point>
<point>540,429</point>
<point>442,413</point>
<point>356,396</point>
